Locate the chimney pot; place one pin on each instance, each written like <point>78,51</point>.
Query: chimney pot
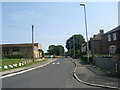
<point>101,32</point>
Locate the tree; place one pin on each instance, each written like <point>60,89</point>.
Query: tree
<point>51,49</point>
<point>75,42</point>
<point>59,50</point>
<point>56,50</point>
<point>40,50</point>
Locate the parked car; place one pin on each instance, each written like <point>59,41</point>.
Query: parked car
<point>66,56</point>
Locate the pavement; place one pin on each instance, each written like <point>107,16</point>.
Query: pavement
<point>26,68</point>
<point>88,74</point>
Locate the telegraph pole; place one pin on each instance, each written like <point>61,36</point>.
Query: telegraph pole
<point>69,49</point>
<point>74,46</point>
<point>33,42</point>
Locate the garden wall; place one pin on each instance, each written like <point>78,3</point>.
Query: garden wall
<point>108,64</point>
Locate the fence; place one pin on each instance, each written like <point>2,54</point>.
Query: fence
<point>108,64</point>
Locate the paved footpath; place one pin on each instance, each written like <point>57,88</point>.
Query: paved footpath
<point>90,74</point>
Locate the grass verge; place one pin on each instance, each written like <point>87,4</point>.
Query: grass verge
<point>32,63</point>
<point>12,61</point>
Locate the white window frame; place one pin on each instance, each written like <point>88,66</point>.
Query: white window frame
<point>114,36</point>
<point>112,49</point>
<point>109,37</point>
<point>15,53</point>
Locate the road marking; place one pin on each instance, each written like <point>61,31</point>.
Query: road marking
<point>53,63</point>
<point>26,70</point>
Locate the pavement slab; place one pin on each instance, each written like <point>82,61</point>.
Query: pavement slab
<point>90,74</point>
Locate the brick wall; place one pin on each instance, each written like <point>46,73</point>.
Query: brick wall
<point>105,49</point>
<point>106,43</point>
<point>108,64</point>
<point>23,49</point>
<point>96,47</point>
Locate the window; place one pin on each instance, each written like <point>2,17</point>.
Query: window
<point>15,50</point>
<point>114,36</point>
<point>15,53</point>
<point>112,49</point>
<point>109,37</point>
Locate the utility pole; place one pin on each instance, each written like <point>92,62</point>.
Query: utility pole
<point>69,49</point>
<point>59,51</point>
<point>33,42</point>
<point>74,46</point>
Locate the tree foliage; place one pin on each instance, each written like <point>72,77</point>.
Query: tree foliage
<point>51,49</point>
<point>56,50</point>
<point>40,50</point>
<point>74,43</point>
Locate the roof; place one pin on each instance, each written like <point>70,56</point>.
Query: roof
<point>113,30</point>
<point>83,44</point>
<point>23,44</point>
<point>97,37</point>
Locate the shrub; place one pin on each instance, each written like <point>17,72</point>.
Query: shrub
<point>17,56</point>
<point>85,58</point>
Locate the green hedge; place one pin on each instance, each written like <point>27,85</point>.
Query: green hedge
<point>17,56</point>
<point>85,59</point>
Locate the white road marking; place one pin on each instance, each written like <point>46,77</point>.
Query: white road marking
<point>53,63</point>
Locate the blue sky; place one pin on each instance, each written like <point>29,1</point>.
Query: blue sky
<point>55,22</point>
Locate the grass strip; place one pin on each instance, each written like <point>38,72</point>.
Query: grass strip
<point>29,64</point>
<point>12,61</point>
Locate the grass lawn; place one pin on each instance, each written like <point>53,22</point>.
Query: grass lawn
<point>13,61</point>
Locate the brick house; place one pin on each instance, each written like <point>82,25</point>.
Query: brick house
<point>23,49</point>
<point>84,49</point>
<point>111,41</point>
<point>96,43</point>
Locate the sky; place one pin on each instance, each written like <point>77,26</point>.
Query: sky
<point>54,22</point>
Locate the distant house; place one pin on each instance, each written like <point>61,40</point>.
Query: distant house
<point>24,50</point>
<point>111,41</point>
<point>96,43</point>
<point>84,49</point>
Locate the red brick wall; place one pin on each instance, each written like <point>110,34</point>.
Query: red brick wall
<point>96,47</point>
<point>106,43</point>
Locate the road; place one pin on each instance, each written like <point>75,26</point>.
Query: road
<point>58,74</point>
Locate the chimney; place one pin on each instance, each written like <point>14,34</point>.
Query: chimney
<point>91,38</point>
<point>94,35</point>
<point>101,32</point>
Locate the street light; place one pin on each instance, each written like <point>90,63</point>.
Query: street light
<point>69,48</point>
<point>86,30</point>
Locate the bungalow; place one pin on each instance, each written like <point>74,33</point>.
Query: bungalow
<point>25,50</point>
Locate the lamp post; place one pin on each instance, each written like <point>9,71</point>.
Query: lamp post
<point>86,31</point>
